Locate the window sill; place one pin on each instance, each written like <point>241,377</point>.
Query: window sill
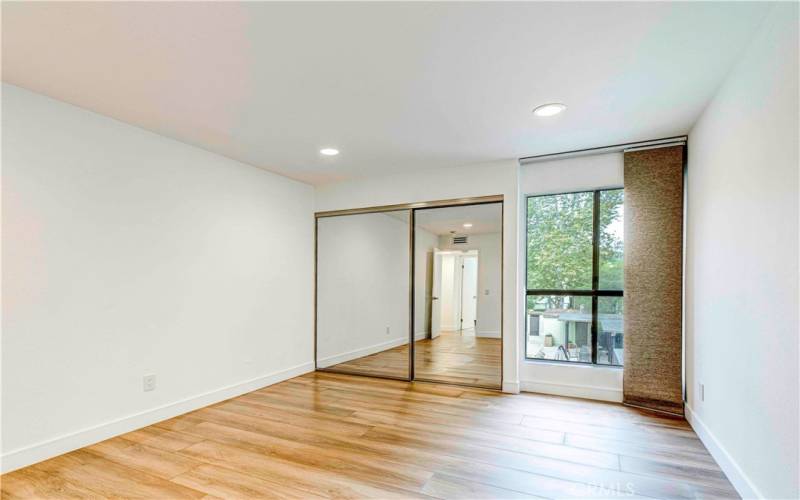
<point>555,362</point>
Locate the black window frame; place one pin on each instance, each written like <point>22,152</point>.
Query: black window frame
<point>595,292</point>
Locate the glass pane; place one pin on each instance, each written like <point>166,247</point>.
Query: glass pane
<point>363,293</point>
<point>611,239</point>
<point>457,310</point>
<point>610,331</point>
<point>559,328</point>
<point>560,241</point>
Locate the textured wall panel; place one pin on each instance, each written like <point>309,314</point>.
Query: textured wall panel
<point>653,269</point>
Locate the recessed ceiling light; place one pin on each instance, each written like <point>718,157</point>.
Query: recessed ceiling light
<point>329,151</point>
<point>551,109</point>
<point>468,224</point>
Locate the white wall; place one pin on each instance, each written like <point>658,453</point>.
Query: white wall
<point>489,246</point>
<point>497,178</point>
<point>742,266</point>
<point>562,176</point>
<point>126,253</point>
<point>362,285</point>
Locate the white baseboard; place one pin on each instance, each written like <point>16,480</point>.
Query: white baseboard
<point>573,390</point>
<point>22,457</point>
<point>488,335</point>
<point>511,387</point>
<point>360,353</point>
<point>735,474</point>
<point>420,335</point>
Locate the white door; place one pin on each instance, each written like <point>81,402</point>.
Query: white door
<point>469,292</point>
<point>436,294</point>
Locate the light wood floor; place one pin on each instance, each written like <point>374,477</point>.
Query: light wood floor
<point>328,435</point>
<point>451,357</point>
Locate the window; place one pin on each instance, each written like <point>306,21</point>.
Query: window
<point>574,277</point>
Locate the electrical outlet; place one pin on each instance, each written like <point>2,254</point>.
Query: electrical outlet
<point>702,392</point>
<point>149,383</point>
<point>388,330</point>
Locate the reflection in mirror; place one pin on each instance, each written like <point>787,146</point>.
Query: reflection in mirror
<point>363,293</point>
<point>457,294</point>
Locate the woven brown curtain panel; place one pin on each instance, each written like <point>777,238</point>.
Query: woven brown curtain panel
<point>653,270</point>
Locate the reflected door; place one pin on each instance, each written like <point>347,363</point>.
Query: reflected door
<point>436,301</point>
<point>469,292</point>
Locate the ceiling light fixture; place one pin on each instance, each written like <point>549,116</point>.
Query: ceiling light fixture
<point>468,225</point>
<point>329,151</point>
<point>550,109</point>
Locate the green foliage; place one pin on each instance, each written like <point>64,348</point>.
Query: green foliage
<point>560,241</point>
<point>611,244</point>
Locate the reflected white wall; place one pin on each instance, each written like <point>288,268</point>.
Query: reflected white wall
<point>362,285</point>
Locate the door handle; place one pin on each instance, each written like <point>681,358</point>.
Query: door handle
<point>434,298</point>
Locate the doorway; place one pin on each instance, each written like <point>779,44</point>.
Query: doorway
<point>455,292</point>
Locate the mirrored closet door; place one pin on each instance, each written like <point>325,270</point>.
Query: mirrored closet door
<point>363,293</point>
<point>447,256</point>
<point>458,294</point>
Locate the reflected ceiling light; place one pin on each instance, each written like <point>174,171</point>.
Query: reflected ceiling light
<point>550,109</point>
<point>329,151</point>
<point>468,224</point>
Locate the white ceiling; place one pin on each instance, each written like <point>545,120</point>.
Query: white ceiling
<point>394,86</point>
<point>486,218</point>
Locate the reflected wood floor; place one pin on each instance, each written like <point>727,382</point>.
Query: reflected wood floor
<point>452,357</point>
<point>327,435</point>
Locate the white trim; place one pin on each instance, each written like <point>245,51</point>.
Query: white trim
<point>657,146</point>
<point>744,486</point>
<point>360,353</point>
<point>22,457</point>
<point>366,351</point>
<point>631,146</point>
<point>511,387</point>
<point>573,390</point>
<point>488,334</point>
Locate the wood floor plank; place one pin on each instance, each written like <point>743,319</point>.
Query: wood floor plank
<point>355,399</point>
<point>297,416</point>
<point>293,388</point>
<point>35,483</point>
<point>338,436</point>
<point>160,463</point>
<point>109,479</point>
<point>683,441</point>
<point>648,450</point>
<point>557,469</point>
<point>369,469</point>
<point>465,427</point>
<point>679,472</point>
<point>527,447</point>
<point>444,486</point>
<point>457,357</point>
<point>325,479</point>
<point>227,483</point>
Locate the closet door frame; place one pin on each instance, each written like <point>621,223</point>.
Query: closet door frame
<point>411,207</point>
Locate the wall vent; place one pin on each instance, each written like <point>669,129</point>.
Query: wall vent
<point>459,240</point>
